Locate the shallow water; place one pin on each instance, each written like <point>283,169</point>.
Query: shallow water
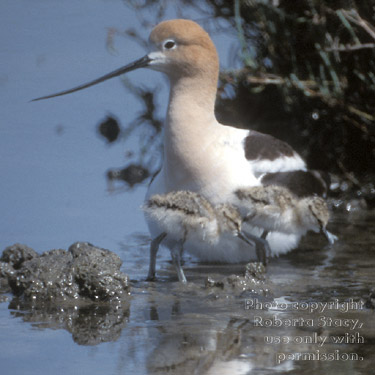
<point>202,328</point>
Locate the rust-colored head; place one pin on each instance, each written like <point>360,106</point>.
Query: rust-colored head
<point>183,48</point>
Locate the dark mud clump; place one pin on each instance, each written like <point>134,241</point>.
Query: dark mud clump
<point>253,281</point>
<point>17,254</point>
<point>84,273</point>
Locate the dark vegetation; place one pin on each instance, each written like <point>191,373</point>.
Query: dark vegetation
<point>307,77</point>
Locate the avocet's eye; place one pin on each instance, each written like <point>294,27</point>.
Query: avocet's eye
<point>169,44</point>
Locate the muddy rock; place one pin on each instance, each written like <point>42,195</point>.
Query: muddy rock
<point>83,273</point>
<point>255,271</point>
<point>6,271</point>
<point>253,281</point>
<point>16,254</point>
<point>97,272</point>
<point>47,277</point>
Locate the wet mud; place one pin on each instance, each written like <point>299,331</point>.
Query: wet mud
<point>311,311</point>
<point>83,274</point>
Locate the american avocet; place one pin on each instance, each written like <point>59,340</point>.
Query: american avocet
<point>187,217</point>
<point>201,154</point>
<point>275,208</point>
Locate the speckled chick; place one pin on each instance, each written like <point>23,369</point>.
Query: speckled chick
<point>185,215</point>
<point>276,208</point>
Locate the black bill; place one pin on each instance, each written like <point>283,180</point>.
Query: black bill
<point>141,63</point>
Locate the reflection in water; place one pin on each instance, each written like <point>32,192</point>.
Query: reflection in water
<point>131,175</point>
<point>197,350</point>
<point>109,129</point>
<point>208,329</point>
<point>204,327</point>
<point>91,324</point>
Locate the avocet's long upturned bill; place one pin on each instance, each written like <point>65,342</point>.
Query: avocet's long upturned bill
<point>203,155</point>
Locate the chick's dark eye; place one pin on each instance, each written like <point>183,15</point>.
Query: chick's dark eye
<point>169,44</point>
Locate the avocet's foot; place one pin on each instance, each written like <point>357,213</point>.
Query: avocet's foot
<point>153,251</point>
<point>331,238</point>
<point>262,247</point>
<point>176,259</point>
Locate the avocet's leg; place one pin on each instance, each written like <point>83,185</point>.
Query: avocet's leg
<point>330,236</point>
<point>262,247</point>
<point>176,259</point>
<point>153,251</point>
<point>264,234</point>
